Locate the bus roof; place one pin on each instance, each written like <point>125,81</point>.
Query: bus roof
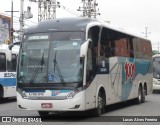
<point>73,24</point>
<point>61,24</point>
<point>122,30</point>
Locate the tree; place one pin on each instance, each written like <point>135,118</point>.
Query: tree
<point>155,52</point>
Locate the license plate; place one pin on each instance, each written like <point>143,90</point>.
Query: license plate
<point>36,94</point>
<point>46,105</point>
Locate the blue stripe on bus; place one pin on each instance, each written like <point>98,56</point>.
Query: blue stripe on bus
<point>33,90</point>
<point>8,81</point>
<point>141,67</point>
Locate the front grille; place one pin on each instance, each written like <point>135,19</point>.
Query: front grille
<point>157,82</point>
<point>47,97</point>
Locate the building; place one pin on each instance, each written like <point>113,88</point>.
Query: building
<point>5,29</point>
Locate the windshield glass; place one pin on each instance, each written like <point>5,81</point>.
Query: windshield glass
<point>156,70</point>
<point>50,58</point>
<point>64,62</point>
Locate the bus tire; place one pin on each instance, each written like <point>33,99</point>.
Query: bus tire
<point>43,113</point>
<point>100,101</point>
<point>141,96</point>
<point>1,92</point>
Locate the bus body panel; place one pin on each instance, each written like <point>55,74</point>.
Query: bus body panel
<point>8,71</point>
<point>90,94</point>
<point>117,87</point>
<point>9,91</point>
<point>8,82</point>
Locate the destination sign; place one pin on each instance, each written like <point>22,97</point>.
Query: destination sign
<point>38,37</point>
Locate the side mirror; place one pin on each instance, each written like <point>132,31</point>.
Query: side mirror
<point>10,46</point>
<point>84,48</point>
<point>9,50</point>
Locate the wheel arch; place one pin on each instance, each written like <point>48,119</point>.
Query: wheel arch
<point>140,85</point>
<point>102,90</point>
<point>145,88</point>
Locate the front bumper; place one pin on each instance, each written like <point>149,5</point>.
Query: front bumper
<point>77,103</point>
<point>156,84</point>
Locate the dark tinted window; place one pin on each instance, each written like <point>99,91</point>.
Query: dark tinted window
<point>114,43</point>
<point>11,65</point>
<point>2,62</point>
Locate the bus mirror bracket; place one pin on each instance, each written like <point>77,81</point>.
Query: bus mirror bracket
<point>84,48</point>
<point>10,46</point>
<point>9,51</point>
<point>9,54</point>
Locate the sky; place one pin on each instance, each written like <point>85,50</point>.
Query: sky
<point>131,15</point>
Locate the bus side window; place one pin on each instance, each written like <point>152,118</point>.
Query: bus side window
<point>2,62</point>
<point>89,61</point>
<point>90,70</point>
<point>14,62</point>
<point>11,65</point>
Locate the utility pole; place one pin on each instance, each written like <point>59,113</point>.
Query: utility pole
<point>146,32</point>
<point>24,15</point>
<point>46,9</point>
<point>89,8</point>
<point>21,19</point>
<point>11,23</point>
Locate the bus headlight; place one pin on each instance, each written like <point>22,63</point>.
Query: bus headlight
<point>22,93</point>
<point>156,81</point>
<point>73,93</point>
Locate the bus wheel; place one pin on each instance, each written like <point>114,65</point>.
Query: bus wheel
<point>141,96</point>
<point>100,101</point>
<point>43,113</point>
<point>1,92</point>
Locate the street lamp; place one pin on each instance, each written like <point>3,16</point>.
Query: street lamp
<point>24,15</point>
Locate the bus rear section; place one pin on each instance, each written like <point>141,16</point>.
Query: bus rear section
<point>8,71</point>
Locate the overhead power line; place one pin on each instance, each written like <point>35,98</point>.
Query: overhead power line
<point>46,9</point>
<point>89,8</point>
<point>146,32</point>
<point>59,5</point>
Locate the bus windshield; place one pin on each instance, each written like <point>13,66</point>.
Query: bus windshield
<point>156,67</point>
<point>51,58</point>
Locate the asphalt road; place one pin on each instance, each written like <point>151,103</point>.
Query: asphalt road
<point>113,115</point>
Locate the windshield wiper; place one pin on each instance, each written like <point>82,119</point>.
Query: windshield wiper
<point>58,69</point>
<point>21,78</point>
<point>34,76</point>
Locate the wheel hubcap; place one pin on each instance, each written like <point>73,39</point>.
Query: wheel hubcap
<point>100,102</point>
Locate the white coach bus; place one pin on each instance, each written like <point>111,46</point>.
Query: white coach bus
<point>8,62</point>
<point>78,64</point>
